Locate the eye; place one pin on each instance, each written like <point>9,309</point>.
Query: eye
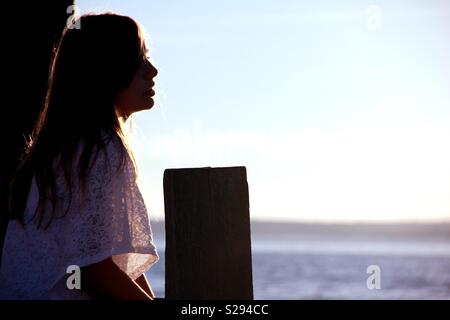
<point>145,56</point>
<point>143,59</point>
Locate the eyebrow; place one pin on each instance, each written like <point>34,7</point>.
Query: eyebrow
<point>145,52</point>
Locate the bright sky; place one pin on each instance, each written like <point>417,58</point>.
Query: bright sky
<point>340,110</point>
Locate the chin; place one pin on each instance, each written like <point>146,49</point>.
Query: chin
<point>148,104</point>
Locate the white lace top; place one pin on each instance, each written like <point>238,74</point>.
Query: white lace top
<point>111,222</point>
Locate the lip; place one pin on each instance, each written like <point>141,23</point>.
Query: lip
<point>149,92</point>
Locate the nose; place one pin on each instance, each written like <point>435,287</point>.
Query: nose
<point>150,70</point>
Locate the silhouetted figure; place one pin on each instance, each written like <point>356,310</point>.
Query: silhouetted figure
<point>74,199</point>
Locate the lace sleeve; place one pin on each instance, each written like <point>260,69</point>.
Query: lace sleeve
<point>112,221</point>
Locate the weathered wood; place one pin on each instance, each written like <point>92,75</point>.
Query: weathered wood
<point>208,248</point>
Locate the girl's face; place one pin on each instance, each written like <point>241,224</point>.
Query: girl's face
<point>139,94</point>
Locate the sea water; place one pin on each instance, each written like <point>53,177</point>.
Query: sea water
<point>316,269</point>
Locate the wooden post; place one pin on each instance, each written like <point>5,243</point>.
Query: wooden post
<point>208,249</point>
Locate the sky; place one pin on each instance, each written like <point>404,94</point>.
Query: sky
<point>339,110</point>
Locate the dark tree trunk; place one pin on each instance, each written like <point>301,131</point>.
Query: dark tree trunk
<point>28,37</point>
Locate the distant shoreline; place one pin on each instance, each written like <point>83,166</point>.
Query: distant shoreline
<point>419,231</point>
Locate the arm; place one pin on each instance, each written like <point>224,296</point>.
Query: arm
<point>105,280</point>
<point>143,283</point>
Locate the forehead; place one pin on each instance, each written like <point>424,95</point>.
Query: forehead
<point>143,38</point>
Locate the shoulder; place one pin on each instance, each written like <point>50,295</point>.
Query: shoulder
<point>111,143</point>
<point>112,157</point>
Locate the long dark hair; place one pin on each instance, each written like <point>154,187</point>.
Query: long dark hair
<point>91,65</point>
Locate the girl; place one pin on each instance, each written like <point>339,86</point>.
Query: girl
<point>74,199</point>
